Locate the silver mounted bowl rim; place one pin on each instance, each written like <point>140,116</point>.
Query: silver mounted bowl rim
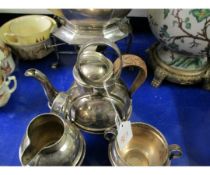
<point>98,15</point>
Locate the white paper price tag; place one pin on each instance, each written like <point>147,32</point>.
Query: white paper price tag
<point>125,134</point>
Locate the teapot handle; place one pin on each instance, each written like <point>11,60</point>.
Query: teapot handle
<point>133,60</point>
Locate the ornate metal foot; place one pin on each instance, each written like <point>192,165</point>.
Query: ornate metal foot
<point>55,45</point>
<point>159,76</point>
<point>56,64</point>
<point>206,82</point>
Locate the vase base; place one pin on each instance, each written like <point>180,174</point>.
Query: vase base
<point>180,68</point>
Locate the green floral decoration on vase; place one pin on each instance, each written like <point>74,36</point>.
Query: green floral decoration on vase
<point>200,14</point>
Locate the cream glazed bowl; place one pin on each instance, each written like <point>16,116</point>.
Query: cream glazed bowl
<point>30,44</point>
<point>28,29</point>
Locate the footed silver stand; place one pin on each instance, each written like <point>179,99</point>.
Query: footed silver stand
<point>77,36</point>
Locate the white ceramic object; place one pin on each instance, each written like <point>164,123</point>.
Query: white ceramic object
<point>182,30</point>
<point>5,90</point>
<point>6,61</point>
<point>184,36</point>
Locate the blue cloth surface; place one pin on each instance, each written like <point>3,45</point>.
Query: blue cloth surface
<point>181,113</point>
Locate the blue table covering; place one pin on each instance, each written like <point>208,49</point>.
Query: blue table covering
<point>181,113</point>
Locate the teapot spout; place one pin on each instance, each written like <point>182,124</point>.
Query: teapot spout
<point>49,90</point>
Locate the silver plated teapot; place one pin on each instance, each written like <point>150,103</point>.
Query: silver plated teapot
<point>98,93</point>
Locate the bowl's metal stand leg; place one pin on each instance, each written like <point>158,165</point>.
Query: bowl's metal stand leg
<point>16,61</point>
<point>56,64</point>
<point>159,76</point>
<point>206,82</point>
<point>76,49</point>
<point>159,73</point>
<point>129,45</point>
<point>129,42</point>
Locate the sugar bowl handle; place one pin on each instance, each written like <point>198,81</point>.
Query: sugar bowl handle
<point>129,60</point>
<point>175,151</point>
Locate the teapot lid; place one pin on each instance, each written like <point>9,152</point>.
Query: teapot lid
<point>95,69</point>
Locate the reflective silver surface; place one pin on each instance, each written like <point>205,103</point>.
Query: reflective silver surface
<point>103,73</point>
<point>82,25</point>
<point>95,66</point>
<point>91,17</point>
<point>71,35</point>
<point>94,112</point>
<point>51,141</point>
<point>88,103</point>
<point>148,147</point>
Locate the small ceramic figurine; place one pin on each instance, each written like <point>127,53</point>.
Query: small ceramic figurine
<point>6,61</point>
<point>5,90</point>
